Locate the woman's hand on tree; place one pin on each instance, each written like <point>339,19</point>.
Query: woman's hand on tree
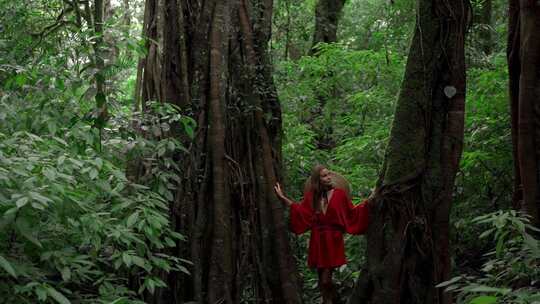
<point>371,199</point>
<point>279,192</point>
<point>281,195</point>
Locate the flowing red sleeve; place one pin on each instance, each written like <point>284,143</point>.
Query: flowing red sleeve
<point>355,219</point>
<point>301,215</point>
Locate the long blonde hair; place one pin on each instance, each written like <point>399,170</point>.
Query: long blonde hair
<point>315,187</point>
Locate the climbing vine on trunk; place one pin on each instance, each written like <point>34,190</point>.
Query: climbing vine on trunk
<point>408,235</point>
<point>524,63</point>
<point>210,59</point>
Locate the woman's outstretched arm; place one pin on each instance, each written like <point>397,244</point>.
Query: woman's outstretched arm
<point>281,195</point>
<point>301,214</point>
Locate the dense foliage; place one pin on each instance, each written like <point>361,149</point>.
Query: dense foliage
<point>510,271</point>
<point>74,226</point>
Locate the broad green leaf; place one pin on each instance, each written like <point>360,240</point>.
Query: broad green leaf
<point>184,269</point>
<point>61,141</point>
<point>126,258</point>
<point>188,126</point>
<point>22,202</point>
<point>138,261</point>
<point>76,162</point>
<point>93,173</point>
<point>118,301</point>
<point>168,195</point>
<point>32,239</point>
<point>40,198</point>
<point>11,211</point>
<point>99,162</point>
<point>171,145</point>
<point>7,267</point>
<point>142,288</point>
<point>37,205</point>
<point>117,263</point>
<point>31,284</point>
<point>52,127</point>
<point>132,219</point>
<point>449,282</point>
<point>60,298</point>
<point>20,80</point>
<point>170,242</point>
<point>41,293</point>
<point>49,173</point>
<point>486,233</point>
<point>119,174</point>
<point>150,285</point>
<point>484,300</point>
<point>161,151</point>
<point>500,244</point>
<point>59,84</point>
<point>487,289</point>
<point>66,274</point>
<point>177,235</point>
<point>159,283</point>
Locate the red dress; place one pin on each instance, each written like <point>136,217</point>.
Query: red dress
<point>326,246</point>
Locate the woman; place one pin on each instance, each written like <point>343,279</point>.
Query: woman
<point>328,212</point>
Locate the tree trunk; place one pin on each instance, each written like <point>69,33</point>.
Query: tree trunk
<point>126,18</point>
<point>111,50</point>
<point>486,33</point>
<point>524,67</point>
<point>98,46</point>
<point>514,70</point>
<point>327,14</point>
<point>409,222</point>
<point>287,30</point>
<point>210,58</point>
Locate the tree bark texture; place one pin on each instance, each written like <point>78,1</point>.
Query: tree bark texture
<point>409,222</point>
<point>524,69</point>
<point>327,15</point>
<point>487,32</point>
<point>98,46</point>
<point>210,58</point>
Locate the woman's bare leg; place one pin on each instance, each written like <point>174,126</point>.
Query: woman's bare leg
<point>325,285</point>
